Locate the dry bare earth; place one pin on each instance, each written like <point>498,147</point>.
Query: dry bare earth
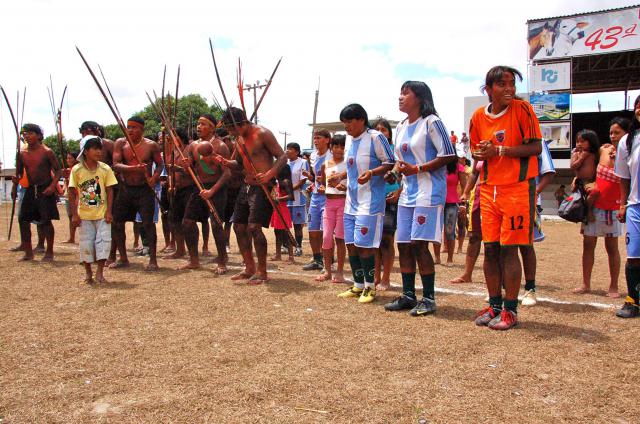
<point>192,347</point>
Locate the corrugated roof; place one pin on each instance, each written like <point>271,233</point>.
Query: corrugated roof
<point>582,14</point>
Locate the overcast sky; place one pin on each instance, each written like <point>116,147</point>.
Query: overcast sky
<point>361,51</point>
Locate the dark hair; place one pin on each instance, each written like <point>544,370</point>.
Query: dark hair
<point>322,133</point>
<point>422,92</point>
<point>73,153</point>
<point>295,146</point>
<point>93,143</point>
<point>338,140</point>
<point>284,173</point>
<point>101,132</point>
<point>233,115</point>
<point>496,73</point>
<point>452,167</point>
<point>621,122</point>
<point>137,119</point>
<point>591,137</point>
<point>182,134</point>
<point>222,132</point>
<point>386,124</point>
<point>34,129</point>
<point>89,125</point>
<point>209,117</point>
<point>634,127</point>
<point>354,111</point>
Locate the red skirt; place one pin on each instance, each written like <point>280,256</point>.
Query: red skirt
<point>276,222</point>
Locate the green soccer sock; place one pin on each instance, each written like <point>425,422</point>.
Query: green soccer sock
<point>428,285</point>
<point>317,258</point>
<point>511,305</point>
<point>357,271</point>
<point>530,285</point>
<point>409,284</point>
<point>368,265</point>
<point>496,304</point>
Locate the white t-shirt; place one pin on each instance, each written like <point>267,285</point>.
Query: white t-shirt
<point>627,166</point>
<point>545,166</point>
<point>297,166</point>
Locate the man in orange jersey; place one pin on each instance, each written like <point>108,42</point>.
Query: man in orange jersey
<point>505,134</point>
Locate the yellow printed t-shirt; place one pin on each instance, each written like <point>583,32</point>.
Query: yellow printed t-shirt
<point>514,126</point>
<point>92,189</point>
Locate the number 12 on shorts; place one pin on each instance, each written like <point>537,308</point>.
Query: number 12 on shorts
<point>517,222</point>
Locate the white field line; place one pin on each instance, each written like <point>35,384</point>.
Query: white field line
<point>473,293</point>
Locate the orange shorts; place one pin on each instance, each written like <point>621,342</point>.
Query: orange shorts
<point>508,212</point>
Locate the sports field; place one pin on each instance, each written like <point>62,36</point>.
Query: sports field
<point>185,347</point>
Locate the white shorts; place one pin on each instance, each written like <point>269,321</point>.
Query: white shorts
<point>423,223</point>
<point>363,230</point>
<point>605,225</point>
<point>95,240</point>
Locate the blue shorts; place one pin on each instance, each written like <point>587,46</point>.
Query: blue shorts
<point>363,230</point>
<point>423,223</point>
<point>315,212</point>
<point>633,231</point>
<point>156,206</point>
<point>298,214</point>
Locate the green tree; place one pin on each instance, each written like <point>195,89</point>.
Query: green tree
<point>113,132</point>
<point>69,146</point>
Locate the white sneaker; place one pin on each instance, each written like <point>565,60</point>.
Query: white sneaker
<point>529,298</point>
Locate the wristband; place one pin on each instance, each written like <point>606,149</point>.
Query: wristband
<point>500,150</point>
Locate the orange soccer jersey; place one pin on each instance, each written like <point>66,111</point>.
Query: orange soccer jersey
<point>514,126</point>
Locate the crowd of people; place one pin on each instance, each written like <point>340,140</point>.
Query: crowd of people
<point>360,196</point>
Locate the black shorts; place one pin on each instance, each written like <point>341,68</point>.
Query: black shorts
<point>165,204</point>
<point>134,199</point>
<point>390,221</point>
<point>180,200</point>
<point>253,206</point>
<point>38,207</point>
<point>197,210</point>
<point>232,197</point>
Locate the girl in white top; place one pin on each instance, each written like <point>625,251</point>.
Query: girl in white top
<point>333,217</point>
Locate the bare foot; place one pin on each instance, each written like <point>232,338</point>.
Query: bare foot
<point>276,258</point>
<point>175,255</point>
<point>220,270</point>
<point>613,293</point>
<point>291,260</point>
<point>257,279</point>
<point>26,258</point>
<point>190,265</point>
<point>47,258</point>
<point>338,278</point>
<point>100,279</point>
<point>38,249</point>
<point>437,261</point>
<point>89,280</point>
<point>459,280</point>
<point>18,248</point>
<point>151,268</point>
<point>119,264</point>
<point>206,253</point>
<point>383,286</point>
<point>323,277</point>
<point>108,262</point>
<point>168,249</point>
<point>244,275</point>
<point>69,241</point>
<point>582,290</point>
<point>448,264</point>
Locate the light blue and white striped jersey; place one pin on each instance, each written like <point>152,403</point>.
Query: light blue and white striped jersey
<point>545,166</point>
<point>419,143</point>
<point>317,161</point>
<point>297,166</point>
<point>368,151</point>
<point>628,166</point>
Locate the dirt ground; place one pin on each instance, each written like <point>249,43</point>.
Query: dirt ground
<point>188,346</point>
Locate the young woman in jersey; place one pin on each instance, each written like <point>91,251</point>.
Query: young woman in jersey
<point>422,149</point>
<point>626,167</point>
<point>369,157</point>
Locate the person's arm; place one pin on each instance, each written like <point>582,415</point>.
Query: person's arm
<point>57,171</point>
<point>625,186</point>
<point>544,181</point>
<point>462,178</point>
<point>73,201</point>
<point>407,169</point>
<point>108,216</point>
<point>488,150</point>
<point>274,148</point>
<point>157,159</point>
<point>577,159</point>
<point>287,187</point>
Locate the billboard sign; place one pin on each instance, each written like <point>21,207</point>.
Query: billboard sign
<point>551,107</point>
<point>579,35</point>
<point>550,76</point>
<point>556,135</point>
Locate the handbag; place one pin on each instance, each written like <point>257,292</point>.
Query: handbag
<point>574,207</point>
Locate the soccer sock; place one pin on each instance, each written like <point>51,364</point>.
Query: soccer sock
<point>409,284</point>
<point>496,303</point>
<point>357,271</point>
<point>530,285</point>
<point>511,305</point>
<point>632,274</point>
<point>369,265</point>
<point>428,285</point>
<point>317,257</point>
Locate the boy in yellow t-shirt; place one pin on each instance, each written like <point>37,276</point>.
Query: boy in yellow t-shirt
<point>91,197</point>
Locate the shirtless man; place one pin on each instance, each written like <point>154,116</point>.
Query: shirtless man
<point>39,202</point>
<point>183,187</point>
<point>200,156</point>
<point>253,209</point>
<point>233,185</point>
<point>136,194</point>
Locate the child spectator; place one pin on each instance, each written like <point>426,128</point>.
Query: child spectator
<point>91,194</point>
<point>583,162</point>
<point>282,193</point>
